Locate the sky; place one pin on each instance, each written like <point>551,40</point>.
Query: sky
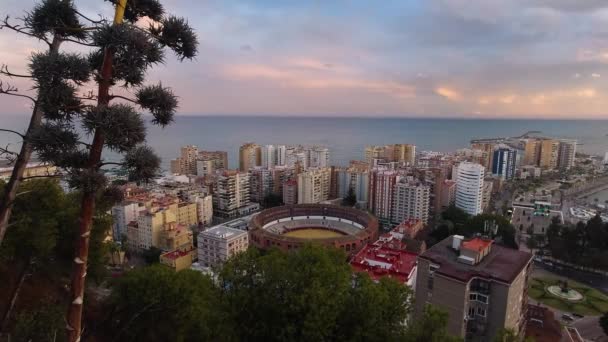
<point>408,58</point>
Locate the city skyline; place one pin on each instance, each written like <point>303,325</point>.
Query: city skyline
<point>478,59</point>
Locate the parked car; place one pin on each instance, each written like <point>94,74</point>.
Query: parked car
<point>567,318</point>
<point>549,263</point>
<point>538,259</point>
<point>577,315</point>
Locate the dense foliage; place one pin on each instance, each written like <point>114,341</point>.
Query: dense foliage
<point>272,200</point>
<point>456,221</point>
<point>585,244</point>
<point>350,199</point>
<point>44,323</point>
<point>44,226</point>
<point>308,295</point>
<point>604,322</point>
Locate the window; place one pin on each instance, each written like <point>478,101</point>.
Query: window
<point>478,297</point>
<point>471,312</point>
<point>482,298</point>
<point>481,312</point>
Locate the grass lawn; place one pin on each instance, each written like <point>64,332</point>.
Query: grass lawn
<point>594,302</point>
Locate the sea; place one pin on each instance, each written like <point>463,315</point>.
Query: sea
<point>345,137</point>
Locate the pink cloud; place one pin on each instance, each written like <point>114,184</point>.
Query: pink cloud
<point>312,78</point>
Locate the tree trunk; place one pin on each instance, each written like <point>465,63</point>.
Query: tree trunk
<point>79,271</point>
<point>9,310</point>
<point>10,193</point>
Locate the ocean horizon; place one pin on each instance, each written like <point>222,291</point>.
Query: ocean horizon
<point>346,137</point>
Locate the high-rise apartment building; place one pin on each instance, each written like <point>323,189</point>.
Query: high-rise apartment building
<point>480,157</point>
<point>262,183</point>
<point>504,162</point>
<point>122,215</point>
<point>219,243</point>
<point>190,156</point>
<point>250,155</point>
<point>400,153</point>
<point>186,163</point>
<point>280,175</point>
<point>410,200</point>
<point>549,154</point>
<point>448,194</point>
<point>232,190</point>
<point>469,187</point>
<point>269,156</point>
<point>318,157</point>
<point>532,152</point>
<point>381,188</point>
<point>294,156</point>
<point>566,154</point>
<point>404,153</point>
<point>281,155</point>
<point>205,167</point>
<point>373,152</point>
<point>204,209</point>
<point>487,147</point>
<point>290,192</point>
<point>145,232</point>
<point>356,179</point>
<point>314,185</point>
<point>219,158</point>
<point>434,178</point>
<point>482,286</point>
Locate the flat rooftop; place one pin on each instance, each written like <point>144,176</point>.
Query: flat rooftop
<point>222,232</point>
<point>501,264</point>
<point>382,261</point>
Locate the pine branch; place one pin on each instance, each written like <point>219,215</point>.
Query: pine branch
<point>22,30</point>
<point>100,21</point>
<point>11,131</point>
<point>7,154</point>
<point>4,71</point>
<point>78,42</point>
<point>123,98</point>
<point>12,91</point>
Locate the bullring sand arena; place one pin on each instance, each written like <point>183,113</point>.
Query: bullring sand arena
<point>289,227</point>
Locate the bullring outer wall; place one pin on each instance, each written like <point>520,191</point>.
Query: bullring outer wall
<point>350,243</point>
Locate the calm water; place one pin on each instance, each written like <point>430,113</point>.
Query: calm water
<point>346,137</point>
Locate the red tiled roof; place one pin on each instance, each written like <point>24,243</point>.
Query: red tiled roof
<point>177,253</point>
<point>476,244</point>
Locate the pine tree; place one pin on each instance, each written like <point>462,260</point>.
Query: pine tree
<point>52,22</point>
<point>121,54</point>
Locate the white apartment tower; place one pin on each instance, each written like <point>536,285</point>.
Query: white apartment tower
<point>262,183</point>
<point>567,153</point>
<point>269,156</point>
<point>231,192</point>
<point>281,155</point>
<point>381,187</point>
<point>355,179</point>
<point>411,200</point>
<point>314,185</point>
<point>204,209</point>
<point>122,214</point>
<point>469,187</point>
<point>318,157</point>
